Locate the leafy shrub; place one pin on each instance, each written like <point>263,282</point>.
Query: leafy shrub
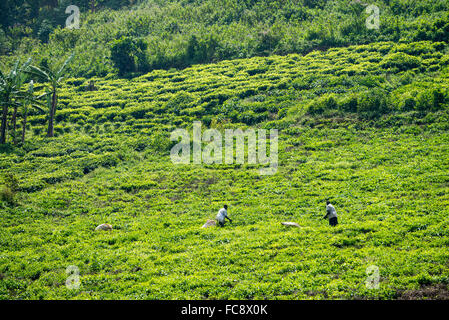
<point>7,195</point>
<point>129,55</point>
<point>400,61</point>
<point>11,181</point>
<point>10,188</point>
<point>267,42</point>
<point>179,102</point>
<point>349,103</point>
<point>324,103</point>
<point>435,29</point>
<point>249,117</point>
<point>372,104</point>
<point>200,51</point>
<point>432,100</point>
<point>160,142</point>
<point>409,104</point>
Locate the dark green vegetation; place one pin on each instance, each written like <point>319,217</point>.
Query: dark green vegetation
<point>366,126</point>
<point>179,33</point>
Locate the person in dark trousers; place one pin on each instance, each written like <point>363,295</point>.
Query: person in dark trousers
<point>331,214</point>
<point>222,215</point>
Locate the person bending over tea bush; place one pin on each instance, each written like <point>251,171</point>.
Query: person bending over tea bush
<point>222,215</point>
<point>331,214</point>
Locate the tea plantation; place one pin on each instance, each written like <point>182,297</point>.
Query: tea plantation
<point>364,126</point>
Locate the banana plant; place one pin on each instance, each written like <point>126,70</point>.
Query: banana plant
<point>11,91</point>
<point>54,79</point>
<point>32,101</point>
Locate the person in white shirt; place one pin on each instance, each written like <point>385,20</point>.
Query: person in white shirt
<point>331,214</point>
<point>222,215</point>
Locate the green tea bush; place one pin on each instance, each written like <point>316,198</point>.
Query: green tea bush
<point>10,188</point>
<point>349,103</point>
<point>432,100</point>
<point>323,104</point>
<point>400,61</point>
<point>373,104</point>
<point>7,195</point>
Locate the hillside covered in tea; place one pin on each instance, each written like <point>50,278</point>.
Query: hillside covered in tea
<point>362,117</point>
<point>365,126</point>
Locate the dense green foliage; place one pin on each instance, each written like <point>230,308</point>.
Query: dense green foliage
<point>179,33</point>
<point>13,96</point>
<point>129,55</point>
<point>366,126</point>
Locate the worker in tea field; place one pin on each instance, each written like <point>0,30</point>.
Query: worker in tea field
<point>331,214</point>
<point>222,215</point>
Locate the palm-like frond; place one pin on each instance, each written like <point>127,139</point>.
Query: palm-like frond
<point>12,93</point>
<point>49,75</point>
<point>64,65</point>
<point>38,107</point>
<point>41,74</point>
